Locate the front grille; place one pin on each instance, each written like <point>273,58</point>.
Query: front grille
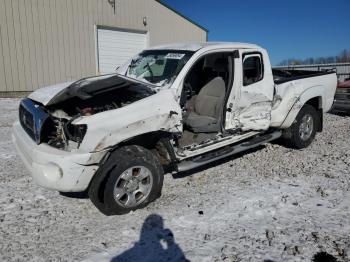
<point>32,118</point>
<point>27,121</point>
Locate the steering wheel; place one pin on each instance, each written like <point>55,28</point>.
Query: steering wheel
<point>186,94</point>
<point>188,90</point>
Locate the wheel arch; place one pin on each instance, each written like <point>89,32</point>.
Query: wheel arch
<point>299,135</point>
<point>316,102</point>
<point>159,142</point>
<point>312,96</point>
<point>123,156</point>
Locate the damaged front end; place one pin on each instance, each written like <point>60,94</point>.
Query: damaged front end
<point>51,120</point>
<point>61,133</point>
<point>43,127</point>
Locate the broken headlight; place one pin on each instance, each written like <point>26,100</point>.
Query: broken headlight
<point>60,131</point>
<point>75,133</point>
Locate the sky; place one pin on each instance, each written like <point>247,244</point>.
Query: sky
<point>286,28</point>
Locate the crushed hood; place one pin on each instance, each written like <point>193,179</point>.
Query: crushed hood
<point>84,88</point>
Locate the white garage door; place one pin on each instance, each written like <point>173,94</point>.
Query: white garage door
<point>116,47</point>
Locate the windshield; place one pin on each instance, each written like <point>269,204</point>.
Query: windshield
<point>159,67</point>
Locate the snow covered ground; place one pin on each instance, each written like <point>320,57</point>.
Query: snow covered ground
<point>272,204</point>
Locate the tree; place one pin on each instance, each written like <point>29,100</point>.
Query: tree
<point>342,57</point>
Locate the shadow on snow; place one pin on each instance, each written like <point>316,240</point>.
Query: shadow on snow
<point>156,243</point>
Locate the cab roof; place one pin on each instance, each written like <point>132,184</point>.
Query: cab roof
<point>197,46</point>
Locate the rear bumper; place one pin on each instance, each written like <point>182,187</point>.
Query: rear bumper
<point>53,168</point>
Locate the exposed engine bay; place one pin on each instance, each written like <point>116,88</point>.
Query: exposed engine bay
<point>63,133</point>
<point>100,102</point>
<point>83,99</point>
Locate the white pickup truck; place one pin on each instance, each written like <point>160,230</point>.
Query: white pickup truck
<point>169,109</point>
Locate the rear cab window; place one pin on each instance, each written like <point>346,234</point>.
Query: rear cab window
<point>253,70</point>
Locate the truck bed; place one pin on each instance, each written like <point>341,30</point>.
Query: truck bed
<point>281,75</point>
<point>307,85</point>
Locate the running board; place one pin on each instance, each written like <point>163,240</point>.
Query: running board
<point>227,151</point>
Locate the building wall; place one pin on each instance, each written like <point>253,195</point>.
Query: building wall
<point>44,42</point>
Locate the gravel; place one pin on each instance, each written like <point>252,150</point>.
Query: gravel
<point>271,204</point>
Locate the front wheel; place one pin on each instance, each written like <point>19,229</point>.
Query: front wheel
<point>131,178</point>
<point>302,132</point>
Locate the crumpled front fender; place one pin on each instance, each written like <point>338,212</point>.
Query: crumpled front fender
<point>159,112</point>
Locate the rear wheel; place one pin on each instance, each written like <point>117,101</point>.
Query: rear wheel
<point>131,178</point>
<point>302,132</point>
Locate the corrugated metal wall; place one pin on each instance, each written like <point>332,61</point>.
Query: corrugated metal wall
<point>51,41</point>
<point>342,69</point>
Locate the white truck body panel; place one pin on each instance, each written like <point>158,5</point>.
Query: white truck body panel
<point>253,109</point>
<point>149,115</point>
<point>291,96</point>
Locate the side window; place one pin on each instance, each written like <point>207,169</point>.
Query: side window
<point>252,69</point>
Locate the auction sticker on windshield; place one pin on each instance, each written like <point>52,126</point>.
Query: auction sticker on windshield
<point>174,56</point>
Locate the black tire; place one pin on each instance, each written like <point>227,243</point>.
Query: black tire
<point>101,190</point>
<point>293,137</point>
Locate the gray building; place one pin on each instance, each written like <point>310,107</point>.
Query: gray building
<point>43,42</point>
